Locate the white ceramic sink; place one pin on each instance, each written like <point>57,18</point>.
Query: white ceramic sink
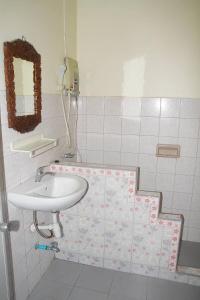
<point>53,193</point>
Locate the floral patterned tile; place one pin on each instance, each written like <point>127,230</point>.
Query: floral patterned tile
<point>124,228</point>
<point>118,265</point>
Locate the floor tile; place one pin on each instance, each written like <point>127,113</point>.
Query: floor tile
<point>63,271</point>
<point>158,289</point>
<point>189,254</point>
<point>84,294</point>
<point>95,279</point>
<point>71,281</point>
<point>121,297</point>
<point>50,290</point>
<point>129,285</point>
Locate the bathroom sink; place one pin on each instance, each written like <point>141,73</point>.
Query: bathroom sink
<point>53,193</point>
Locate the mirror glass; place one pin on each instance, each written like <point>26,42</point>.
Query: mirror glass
<point>24,87</point>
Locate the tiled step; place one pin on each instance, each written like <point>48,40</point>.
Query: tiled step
<point>189,270</point>
<point>189,258</point>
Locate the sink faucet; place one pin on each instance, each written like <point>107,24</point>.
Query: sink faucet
<point>40,172</point>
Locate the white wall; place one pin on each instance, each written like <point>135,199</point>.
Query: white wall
<point>146,48</point>
<point>41,23</point>
<point>71,27</point>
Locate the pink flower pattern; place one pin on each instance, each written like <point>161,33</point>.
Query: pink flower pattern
<point>115,226</point>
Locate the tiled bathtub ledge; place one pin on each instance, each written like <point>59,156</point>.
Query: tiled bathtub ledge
<point>116,226</point>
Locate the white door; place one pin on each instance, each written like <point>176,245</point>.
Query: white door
<point>6,268</point>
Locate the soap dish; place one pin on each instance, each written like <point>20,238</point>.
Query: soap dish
<point>34,145</point>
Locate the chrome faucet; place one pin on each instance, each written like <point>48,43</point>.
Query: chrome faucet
<point>40,172</point>
<point>54,247</point>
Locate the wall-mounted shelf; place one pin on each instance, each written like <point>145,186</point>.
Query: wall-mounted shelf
<point>34,145</point>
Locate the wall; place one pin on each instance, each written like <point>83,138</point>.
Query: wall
<point>41,22</point>
<point>115,226</point>
<point>71,28</point>
<point>30,265</point>
<point>35,20</point>
<point>146,48</point>
<point>125,132</point>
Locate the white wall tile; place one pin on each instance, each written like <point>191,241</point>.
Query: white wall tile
<point>194,220</point>
<point>3,105</point>
<point>166,165</point>
<point>169,127</point>
<point>130,143</point>
<point>12,165</point>
<point>150,107</point>
<point>196,188</point>
<point>31,238</point>
<point>112,124</point>
<point>94,141</point>
<point>95,124</point>
<point>131,107</point>
<point>181,201</point>
<point>165,182</point>
<point>112,142</point>
<point>81,140</point>
<point>188,147</point>
<point>149,126</point>
<point>197,169</point>
<point>185,165</point>
<point>82,155</point>
<point>147,181</point>
<point>32,259</point>
<point>183,184</point>
<point>148,144</point>
<point>190,108</point>
<point>189,128</point>
<point>185,233</point>
<point>195,203</point>
<point>129,159</point>
<point>168,140</point>
<point>193,234</point>
<point>95,157</point>
<point>131,125</point>
<point>18,247</point>
<point>81,123</point>
<point>170,107</point>
<point>82,105</point>
<point>198,148</point>
<point>95,105</point>
<point>113,106</point>
<point>112,158</point>
<point>167,201</point>
<point>147,162</point>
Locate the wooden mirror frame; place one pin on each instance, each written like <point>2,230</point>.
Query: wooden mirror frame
<point>22,49</point>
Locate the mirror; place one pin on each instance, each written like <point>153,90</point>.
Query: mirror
<point>24,88</point>
<point>23,85</point>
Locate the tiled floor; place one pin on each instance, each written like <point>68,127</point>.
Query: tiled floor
<point>72,281</point>
<point>190,254</point>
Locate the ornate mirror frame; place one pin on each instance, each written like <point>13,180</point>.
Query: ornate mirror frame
<point>22,49</point>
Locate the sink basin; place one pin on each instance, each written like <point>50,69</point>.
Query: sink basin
<point>53,193</point>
